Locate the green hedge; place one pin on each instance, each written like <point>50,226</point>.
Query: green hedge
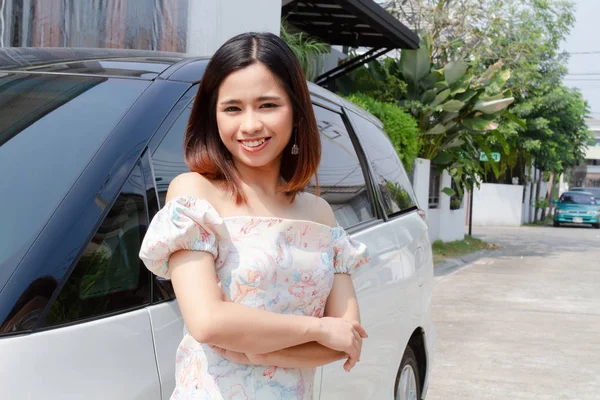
<point>400,126</point>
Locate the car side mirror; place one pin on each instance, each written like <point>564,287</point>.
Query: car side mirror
<point>554,202</point>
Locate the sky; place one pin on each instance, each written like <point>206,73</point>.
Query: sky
<point>584,49</point>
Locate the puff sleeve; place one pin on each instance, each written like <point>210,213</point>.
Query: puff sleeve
<point>184,223</point>
<point>348,254</point>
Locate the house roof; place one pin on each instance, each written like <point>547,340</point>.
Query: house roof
<point>353,23</point>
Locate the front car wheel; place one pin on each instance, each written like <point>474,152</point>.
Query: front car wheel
<point>408,386</point>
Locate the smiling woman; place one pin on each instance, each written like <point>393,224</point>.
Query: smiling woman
<point>260,268</point>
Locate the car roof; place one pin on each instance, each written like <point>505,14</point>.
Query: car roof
<point>135,64</point>
<point>140,64</point>
<point>578,192</point>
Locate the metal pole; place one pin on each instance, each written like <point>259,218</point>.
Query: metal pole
<point>471,212</point>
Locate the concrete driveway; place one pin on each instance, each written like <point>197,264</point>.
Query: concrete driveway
<point>523,322</point>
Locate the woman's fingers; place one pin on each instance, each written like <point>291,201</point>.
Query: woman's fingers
<point>361,331</point>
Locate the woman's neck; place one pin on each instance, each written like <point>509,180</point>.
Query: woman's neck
<point>261,181</point>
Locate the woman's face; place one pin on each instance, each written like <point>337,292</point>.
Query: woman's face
<point>254,116</point>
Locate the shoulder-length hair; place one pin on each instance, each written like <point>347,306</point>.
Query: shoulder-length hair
<point>206,154</point>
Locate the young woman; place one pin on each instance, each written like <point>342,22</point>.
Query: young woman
<point>260,268</point>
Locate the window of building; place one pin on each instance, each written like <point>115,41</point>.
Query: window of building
<point>435,178</point>
<point>341,177</point>
<point>109,277</point>
<point>395,187</point>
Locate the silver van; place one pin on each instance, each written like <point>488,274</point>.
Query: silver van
<point>89,142</point>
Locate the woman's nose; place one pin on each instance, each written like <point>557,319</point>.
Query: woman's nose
<point>251,123</point>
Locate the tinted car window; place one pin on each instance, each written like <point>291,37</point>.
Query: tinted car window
<point>109,276</point>
<point>341,177</point>
<point>168,160</point>
<point>50,128</point>
<point>577,198</point>
<point>397,193</point>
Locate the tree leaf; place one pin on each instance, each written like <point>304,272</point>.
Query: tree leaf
<point>441,97</point>
<point>415,64</point>
<point>431,79</point>
<point>493,106</point>
<point>448,191</point>
<point>452,106</point>
<point>455,70</point>
<point>443,158</point>
<point>515,119</point>
<point>436,130</point>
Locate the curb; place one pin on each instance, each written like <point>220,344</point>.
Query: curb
<point>454,264</point>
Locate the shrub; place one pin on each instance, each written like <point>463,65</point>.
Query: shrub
<point>400,126</point>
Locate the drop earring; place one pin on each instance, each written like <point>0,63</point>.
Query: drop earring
<point>295,146</point>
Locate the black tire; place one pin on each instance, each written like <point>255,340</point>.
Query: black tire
<point>408,360</point>
<point>556,224</point>
<point>597,226</point>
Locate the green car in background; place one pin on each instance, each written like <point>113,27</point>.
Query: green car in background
<point>577,207</point>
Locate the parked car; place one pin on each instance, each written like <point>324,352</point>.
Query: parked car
<point>89,142</point>
<point>576,207</point>
<point>593,190</point>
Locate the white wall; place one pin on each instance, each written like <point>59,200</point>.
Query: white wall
<point>445,224</point>
<point>421,173</point>
<point>212,22</point>
<point>497,205</point>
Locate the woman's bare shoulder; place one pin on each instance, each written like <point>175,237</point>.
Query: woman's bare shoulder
<point>317,209</point>
<point>192,184</point>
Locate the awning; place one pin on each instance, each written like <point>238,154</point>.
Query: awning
<point>353,23</point>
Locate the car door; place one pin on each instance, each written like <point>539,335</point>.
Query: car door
<point>96,341</point>
<point>388,287</point>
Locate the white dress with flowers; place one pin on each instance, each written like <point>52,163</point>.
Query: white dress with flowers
<point>273,264</point>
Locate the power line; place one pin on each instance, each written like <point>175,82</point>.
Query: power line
<point>579,53</point>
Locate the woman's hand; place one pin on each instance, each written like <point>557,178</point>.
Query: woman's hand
<point>345,336</point>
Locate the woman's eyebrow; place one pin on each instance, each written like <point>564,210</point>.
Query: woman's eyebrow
<point>261,98</point>
<point>232,101</point>
<point>269,98</point>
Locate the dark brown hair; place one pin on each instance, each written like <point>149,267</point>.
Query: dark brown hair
<point>206,154</point>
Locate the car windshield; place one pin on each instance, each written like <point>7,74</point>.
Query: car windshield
<point>595,191</point>
<point>50,128</point>
<point>577,198</point>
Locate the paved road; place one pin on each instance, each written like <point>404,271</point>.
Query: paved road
<point>523,322</point>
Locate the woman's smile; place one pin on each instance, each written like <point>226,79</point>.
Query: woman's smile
<point>254,145</point>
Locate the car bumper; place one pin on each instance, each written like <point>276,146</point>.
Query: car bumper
<point>430,343</point>
<point>570,219</point>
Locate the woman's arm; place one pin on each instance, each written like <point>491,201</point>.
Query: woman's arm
<point>341,303</point>
<point>245,329</point>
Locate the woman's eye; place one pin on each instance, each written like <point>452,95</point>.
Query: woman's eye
<point>232,109</point>
<point>268,105</point>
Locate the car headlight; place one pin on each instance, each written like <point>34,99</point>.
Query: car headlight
<point>558,211</point>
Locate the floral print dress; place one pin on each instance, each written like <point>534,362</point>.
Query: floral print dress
<point>273,264</point>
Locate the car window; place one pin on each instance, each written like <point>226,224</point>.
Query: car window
<point>168,159</point>
<point>341,177</point>
<point>109,277</point>
<point>577,198</point>
<point>396,190</point>
<point>50,128</point>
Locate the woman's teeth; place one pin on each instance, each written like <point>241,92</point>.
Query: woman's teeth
<point>254,143</point>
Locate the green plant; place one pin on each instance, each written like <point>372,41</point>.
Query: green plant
<point>307,49</point>
<point>401,196</point>
<point>541,204</point>
<point>455,203</point>
<point>400,126</point>
<point>455,110</point>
